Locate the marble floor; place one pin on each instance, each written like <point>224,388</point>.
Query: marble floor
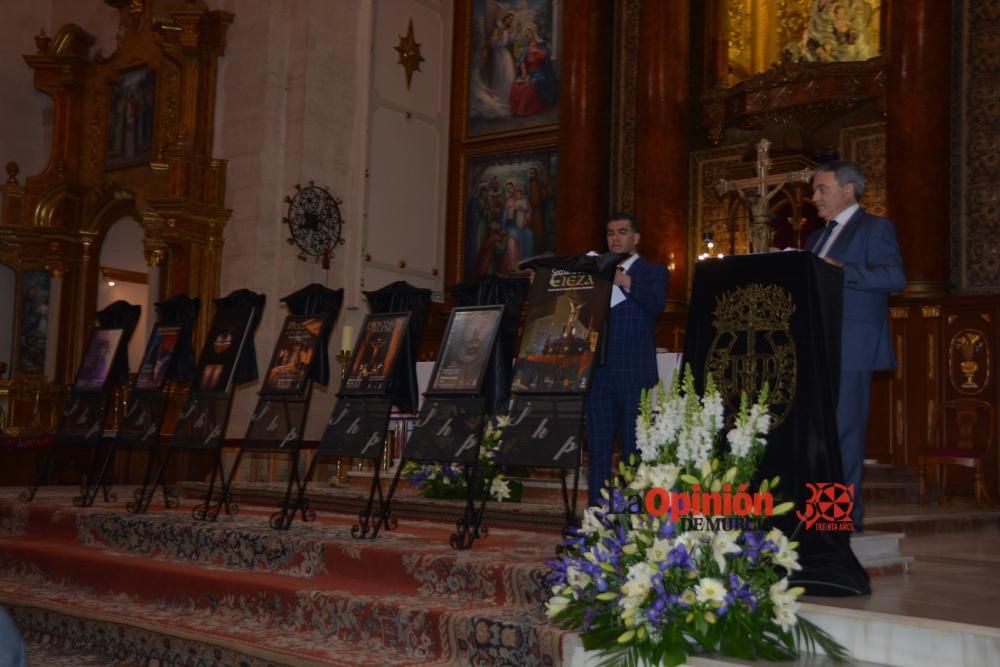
<point>953,577</point>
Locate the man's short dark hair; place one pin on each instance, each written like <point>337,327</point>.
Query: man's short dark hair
<point>622,215</point>
<point>845,172</point>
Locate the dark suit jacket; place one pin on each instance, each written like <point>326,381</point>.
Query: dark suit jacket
<point>630,349</point>
<point>873,269</point>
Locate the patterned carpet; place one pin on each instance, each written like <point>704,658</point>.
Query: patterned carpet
<point>99,586</point>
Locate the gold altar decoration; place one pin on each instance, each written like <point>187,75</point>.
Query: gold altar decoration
<point>753,345</point>
<point>132,137</point>
<point>764,32</point>
<point>969,361</point>
<point>409,53</point>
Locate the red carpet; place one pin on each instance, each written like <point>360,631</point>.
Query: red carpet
<point>100,584</point>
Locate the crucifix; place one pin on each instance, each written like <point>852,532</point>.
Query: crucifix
<point>758,193</point>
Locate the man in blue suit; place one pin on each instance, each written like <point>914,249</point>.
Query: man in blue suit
<point>865,247</point>
<point>637,297</point>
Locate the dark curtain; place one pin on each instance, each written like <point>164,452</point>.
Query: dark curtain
<point>181,310</point>
<point>246,366</point>
<point>803,447</point>
<point>402,297</point>
<point>490,291</point>
<point>125,316</point>
<point>315,299</point>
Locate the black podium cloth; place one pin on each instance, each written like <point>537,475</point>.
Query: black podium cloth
<point>246,365</point>
<point>315,299</point>
<point>402,297</point>
<point>182,310</point>
<point>776,318</point>
<point>125,316</point>
<point>490,291</point>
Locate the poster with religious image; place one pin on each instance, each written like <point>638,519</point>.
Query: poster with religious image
<point>293,355</point>
<point>222,349</point>
<point>375,353</point>
<point>157,359</point>
<point>92,375</point>
<point>561,340</point>
<point>466,349</point>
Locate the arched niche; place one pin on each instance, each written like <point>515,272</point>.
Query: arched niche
<point>124,276</point>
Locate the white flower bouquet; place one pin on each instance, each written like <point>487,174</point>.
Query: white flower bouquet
<point>447,480</point>
<point>678,560</point>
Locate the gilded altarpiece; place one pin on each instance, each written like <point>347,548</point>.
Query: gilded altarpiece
<point>132,137</point>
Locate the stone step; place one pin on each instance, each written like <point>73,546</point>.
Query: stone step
<point>875,639</point>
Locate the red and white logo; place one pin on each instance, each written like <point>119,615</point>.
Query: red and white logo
<point>829,507</point>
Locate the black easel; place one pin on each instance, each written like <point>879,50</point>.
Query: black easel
<point>357,429</point>
<point>299,359</point>
<point>554,365</point>
<point>227,359</point>
<point>81,425</point>
<point>449,427</point>
<point>276,426</point>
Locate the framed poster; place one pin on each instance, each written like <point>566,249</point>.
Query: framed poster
<point>158,357</point>
<point>509,210</point>
<point>293,355</point>
<point>466,349</point>
<point>34,324</point>
<point>565,320</point>
<point>513,77</point>
<point>92,375</point>
<point>223,346</point>
<point>375,353</point>
<point>130,119</point>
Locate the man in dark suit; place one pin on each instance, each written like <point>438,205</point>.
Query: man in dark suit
<point>638,296</point>
<point>865,247</point>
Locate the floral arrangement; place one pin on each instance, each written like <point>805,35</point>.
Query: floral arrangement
<point>659,572</point>
<point>447,480</point>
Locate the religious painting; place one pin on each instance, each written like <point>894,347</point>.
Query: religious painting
<point>92,375</point>
<point>466,349</point>
<point>34,325</point>
<point>375,353</point>
<point>293,355</point>
<point>130,119</point>
<point>513,66</point>
<point>836,31</point>
<point>156,361</point>
<point>510,209</point>
<point>564,323</point>
<point>222,350</point>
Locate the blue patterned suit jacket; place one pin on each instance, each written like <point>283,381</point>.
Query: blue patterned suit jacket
<point>630,349</point>
<point>873,269</point>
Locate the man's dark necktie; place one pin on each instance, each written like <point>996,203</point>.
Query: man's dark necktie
<point>825,236</point>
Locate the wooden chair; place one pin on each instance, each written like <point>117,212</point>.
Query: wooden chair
<point>969,425</point>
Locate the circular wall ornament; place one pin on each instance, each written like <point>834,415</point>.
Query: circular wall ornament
<point>314,222</point>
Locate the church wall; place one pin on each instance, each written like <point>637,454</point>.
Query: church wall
<point>311,90</point>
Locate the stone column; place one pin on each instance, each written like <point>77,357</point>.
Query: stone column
<point>918,139</point>
<point>661,152</point>
<point>584,125</point>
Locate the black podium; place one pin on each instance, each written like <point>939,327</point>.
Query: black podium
<point>775,318</point>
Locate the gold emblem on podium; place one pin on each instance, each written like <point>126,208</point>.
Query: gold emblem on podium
<point>753,345</point>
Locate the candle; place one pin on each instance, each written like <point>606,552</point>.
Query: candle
<point>348,339</point>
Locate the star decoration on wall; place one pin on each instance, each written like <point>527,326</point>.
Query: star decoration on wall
<point>409,53</point>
